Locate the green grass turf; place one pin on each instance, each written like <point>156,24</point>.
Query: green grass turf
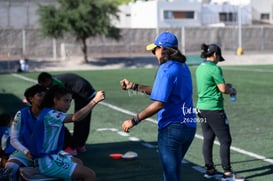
<point>250,121</point>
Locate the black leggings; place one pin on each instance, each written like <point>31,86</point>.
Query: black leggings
<point>81,128</point>
<point>215,124</point>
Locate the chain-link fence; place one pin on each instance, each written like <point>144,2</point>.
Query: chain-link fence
<point>30,43</point>
<point>20,36</point>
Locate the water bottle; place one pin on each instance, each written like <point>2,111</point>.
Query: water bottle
<point>232,96</point>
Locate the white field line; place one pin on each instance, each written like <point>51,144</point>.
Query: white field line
<point>125,111</point>
<point>24,78</point>
<point>244,152</point>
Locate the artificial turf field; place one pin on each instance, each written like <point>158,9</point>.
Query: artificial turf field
<point>250,120</point>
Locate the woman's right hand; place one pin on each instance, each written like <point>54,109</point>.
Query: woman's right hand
<point>125,84</point>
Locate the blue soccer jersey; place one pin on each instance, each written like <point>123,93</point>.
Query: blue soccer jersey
<point>173,87</point>
<point>22,137</point>
<point>49,133</point>
<point>22,129</point>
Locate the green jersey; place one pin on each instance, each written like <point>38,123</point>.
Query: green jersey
<point>208,76</point>
<point>56,81</point>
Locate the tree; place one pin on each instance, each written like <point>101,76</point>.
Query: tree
<point>82,19</point>
<point>124,1</point>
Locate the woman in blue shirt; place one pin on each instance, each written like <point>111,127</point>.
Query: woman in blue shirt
<point>171,94</point>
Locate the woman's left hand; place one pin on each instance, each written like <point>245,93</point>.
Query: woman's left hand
<point>127,124</point>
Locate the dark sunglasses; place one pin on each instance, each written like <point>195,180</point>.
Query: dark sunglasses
<point>153,51</point>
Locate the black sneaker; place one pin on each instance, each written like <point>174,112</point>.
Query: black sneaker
<point>232,177</point>
<point>212,173</point>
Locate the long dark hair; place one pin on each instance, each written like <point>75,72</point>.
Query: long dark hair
<point>172,54</point>
<point>56,91</point>
<point>205,53</point>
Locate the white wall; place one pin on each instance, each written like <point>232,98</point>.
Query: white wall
<point>262,6</point>
<point>150,14</point>
<point>144,15</point>
<point>124,17</point>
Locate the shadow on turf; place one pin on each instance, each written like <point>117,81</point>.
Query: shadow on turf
<point>256,172</point>
<point>146,167</point>
<point>125,61</point>
<point>138,61</point>
<point>8,66</point>
<point>10,103</point>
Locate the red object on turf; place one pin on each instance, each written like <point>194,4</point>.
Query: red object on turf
<point>116,156</point>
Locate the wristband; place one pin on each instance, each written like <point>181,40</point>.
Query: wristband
<point>232,90</point>
<point>135,121</point>
<point>135,87</point>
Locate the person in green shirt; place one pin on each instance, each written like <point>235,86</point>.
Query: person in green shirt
<point>210,105</point>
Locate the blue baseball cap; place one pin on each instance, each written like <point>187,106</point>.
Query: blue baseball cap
<point>165,39</point>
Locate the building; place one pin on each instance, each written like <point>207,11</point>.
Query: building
<point>181,13</point>
<point>20,14</point>
<point>153,14</point>
<point>225,14</point>
<point>262,11</point>
<point>234,2</point>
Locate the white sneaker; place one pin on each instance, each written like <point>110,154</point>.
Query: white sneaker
<point>213,174</point>
<point>232,177</point>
